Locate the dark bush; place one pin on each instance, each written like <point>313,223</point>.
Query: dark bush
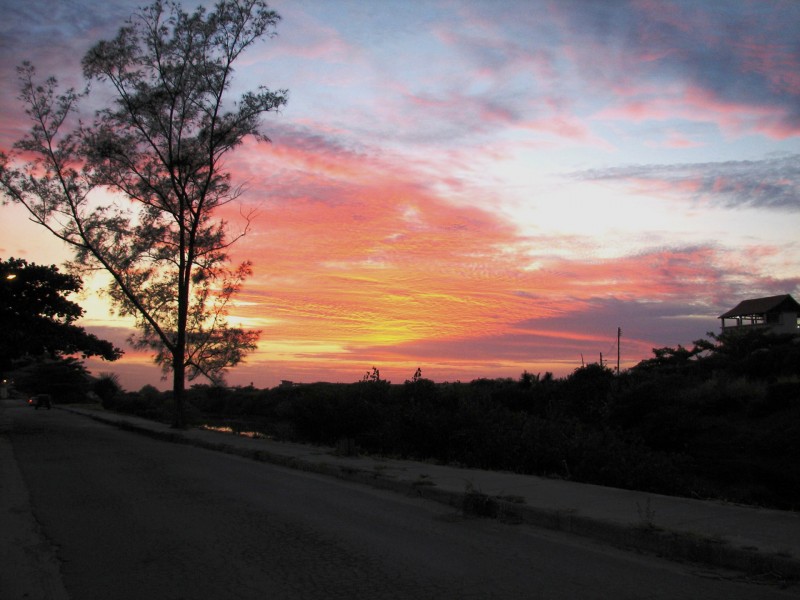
<point>107,388</point>
<point>586,393</point>
<point>780,396</point>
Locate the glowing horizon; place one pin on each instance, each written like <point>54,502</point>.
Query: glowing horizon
<point>481,188</point>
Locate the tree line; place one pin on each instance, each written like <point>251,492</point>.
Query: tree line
<point>718,420</point>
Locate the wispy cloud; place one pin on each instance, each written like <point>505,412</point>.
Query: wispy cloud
<point>733,64</point>
<point>771,183</point>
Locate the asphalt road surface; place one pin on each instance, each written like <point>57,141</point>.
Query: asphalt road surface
<point>124,517</point>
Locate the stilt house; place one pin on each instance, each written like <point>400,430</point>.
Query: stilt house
<point>780,314</point>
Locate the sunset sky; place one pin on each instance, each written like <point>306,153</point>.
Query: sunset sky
<point>477,188</point>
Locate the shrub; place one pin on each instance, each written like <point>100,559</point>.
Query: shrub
<point>586,393</point>
<point>107,388</point>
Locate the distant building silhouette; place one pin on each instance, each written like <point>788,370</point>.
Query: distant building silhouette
<point>780,314</point>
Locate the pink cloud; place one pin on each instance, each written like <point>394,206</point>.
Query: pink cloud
<point>739,117</point>
<point>700,105</point>
<point>568,128</point>
<point>777,61</point>
<point>679,141</point>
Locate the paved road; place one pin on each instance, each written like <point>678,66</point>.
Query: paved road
<point>131,517</point>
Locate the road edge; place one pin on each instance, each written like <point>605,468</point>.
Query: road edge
<point>29,565</point>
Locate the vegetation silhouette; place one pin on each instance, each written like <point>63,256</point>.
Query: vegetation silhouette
<point>37,318</point>
<point>719,420</point>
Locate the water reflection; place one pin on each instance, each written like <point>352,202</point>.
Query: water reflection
<point>256,435</point>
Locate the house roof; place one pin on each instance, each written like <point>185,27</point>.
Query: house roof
<point>758,306</point>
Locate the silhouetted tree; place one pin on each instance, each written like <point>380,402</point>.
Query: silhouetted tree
<point>37,318</point>
<point>64,379</point>
<point>159,149</point>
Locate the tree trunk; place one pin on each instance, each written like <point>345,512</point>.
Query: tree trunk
<point>179,361</point>
<point>178,395</point>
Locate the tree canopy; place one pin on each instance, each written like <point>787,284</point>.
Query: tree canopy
<point>157,149</point>
<point>37,317</point>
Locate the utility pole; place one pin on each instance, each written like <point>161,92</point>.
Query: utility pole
<point>619,336</point>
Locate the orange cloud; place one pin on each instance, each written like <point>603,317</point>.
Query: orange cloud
<point>359,262</point>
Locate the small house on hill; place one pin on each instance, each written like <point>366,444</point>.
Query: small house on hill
<point>780,314</point>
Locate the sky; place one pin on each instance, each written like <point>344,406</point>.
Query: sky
<point>478,188</point>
